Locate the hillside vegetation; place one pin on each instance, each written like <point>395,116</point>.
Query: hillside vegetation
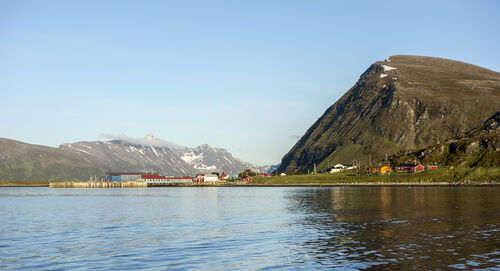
<point>460,175</point>
<point>478,147</point>
<point>402,103</point>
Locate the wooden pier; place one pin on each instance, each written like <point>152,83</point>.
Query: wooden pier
<point>131,184</point>
<point>96,184</point>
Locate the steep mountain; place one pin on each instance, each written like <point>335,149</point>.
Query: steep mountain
<point>404,102</point>
<point>273,168</point>
<point>151,154</point>
<point>22,161</point>
<point>478,147</point>
<point>204,158</point>
<point>117,155</point>
<point>77,161</point>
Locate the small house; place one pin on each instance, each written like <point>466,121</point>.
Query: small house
<point>122,176</point>
<point>246,179</point>
<point>223,176</point>
<point>210,178</point>
<point>337,168</point>
<point>380,169</point>
<point>410,168</point>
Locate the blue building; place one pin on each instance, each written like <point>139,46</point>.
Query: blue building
<point>122,176</point>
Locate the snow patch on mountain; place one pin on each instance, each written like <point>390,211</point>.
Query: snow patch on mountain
<point>387,68</point>
<point>204,167</point>
<point>190,157</point>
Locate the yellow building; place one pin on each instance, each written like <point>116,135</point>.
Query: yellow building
<point>380,169</point>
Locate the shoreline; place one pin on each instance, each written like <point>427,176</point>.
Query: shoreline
<point>358,184</point>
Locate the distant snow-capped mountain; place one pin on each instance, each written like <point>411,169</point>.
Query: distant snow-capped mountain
<point>153,154</point>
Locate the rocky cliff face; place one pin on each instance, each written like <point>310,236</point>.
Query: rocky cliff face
<point>404,102</point>
<point>479,147</point>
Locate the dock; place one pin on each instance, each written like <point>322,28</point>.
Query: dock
<point>130,184</point>
<point>96,184</point>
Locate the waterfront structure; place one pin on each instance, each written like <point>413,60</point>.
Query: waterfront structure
<point>121,176</point>
<point>210,178</point>
<point>158,179</point>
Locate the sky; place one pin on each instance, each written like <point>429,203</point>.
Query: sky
<point>247,76</point>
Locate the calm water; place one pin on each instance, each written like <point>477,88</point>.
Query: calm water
<point>250,228</point>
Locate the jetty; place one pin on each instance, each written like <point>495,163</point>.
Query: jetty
<point>133,184</point>
<point>96,184</point>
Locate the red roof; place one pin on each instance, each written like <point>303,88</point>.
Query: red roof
<point>152,177</point>
<point>179,178</point>
<point>163,177</point>
<point>123,173</point>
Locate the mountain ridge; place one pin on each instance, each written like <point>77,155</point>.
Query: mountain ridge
<point>403,102</point>
<point>79,160</point>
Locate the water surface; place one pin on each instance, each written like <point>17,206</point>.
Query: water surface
<point>249,228</point>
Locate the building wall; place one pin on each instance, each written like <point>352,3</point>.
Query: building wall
<point>127,178</point>
<point>123,178</point>
<point>210,178</point>
<point>115,178</point>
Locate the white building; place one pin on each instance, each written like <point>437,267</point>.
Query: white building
<point>340,167</point>
<point>210,178</point>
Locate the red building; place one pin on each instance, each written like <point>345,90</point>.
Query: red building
<point>155,178</point>
<point>409,168</point>
<point>223,176</point>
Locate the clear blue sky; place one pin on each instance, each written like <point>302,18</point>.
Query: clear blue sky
<point>249,76</point>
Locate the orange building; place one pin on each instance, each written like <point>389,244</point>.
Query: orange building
<point>380,169</point>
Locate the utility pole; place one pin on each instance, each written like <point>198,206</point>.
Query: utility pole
<point>370,160</point>
<point>389,168</point>
<point>388,163</point>
<point>314,168</point>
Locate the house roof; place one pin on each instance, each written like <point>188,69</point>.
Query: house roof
<point>155,176</point>
<point>123,173</point>
<point>409,165</point>
<point>179,178</point>
<point>380,166</point>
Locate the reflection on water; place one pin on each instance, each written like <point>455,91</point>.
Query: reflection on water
<point>250,228</point>
<point>404,228</point>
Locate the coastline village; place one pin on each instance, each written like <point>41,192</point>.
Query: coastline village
<point>153,179</point>
<point>381,169</point>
